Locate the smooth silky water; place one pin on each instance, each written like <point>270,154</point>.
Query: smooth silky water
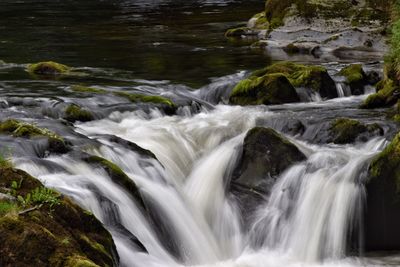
<point>177,49</point>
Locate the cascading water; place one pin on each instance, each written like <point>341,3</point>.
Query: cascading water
<point>305,220</point>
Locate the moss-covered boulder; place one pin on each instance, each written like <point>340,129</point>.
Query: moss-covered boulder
<point>315,78</point>
<point>387,95</point>
<point>265,155</point>
<point>346,131</point>
<point>355,78</point>
<point>258,22</point>
<point>382,217</point>
<point>48,68</point>
<point>75,113</point>
<point>87,89</point>
<point>22,129</point>
<point>269,89</point>
<point>45,228</point>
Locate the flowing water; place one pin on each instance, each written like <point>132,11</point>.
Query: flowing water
<point>177,49</point>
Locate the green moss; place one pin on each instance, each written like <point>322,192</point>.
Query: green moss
<point>76,113</point>
<point>387,164</point>
<point>268,89</point>
<point>48,68</point>
<point>385,97</point>
<point>79,261</point>
<point>99,248</point>
<point>23,129</point>
<point>353,73</point>
<point>7,207</point>
<point>261,22</point>
<point>85,89</point>
<point>147,98</point>
<point>238,32</point>
<point>346,130</point>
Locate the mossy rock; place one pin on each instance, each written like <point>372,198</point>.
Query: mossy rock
<point>86,89</point>
<point>48,68</point>
<point>50,235</point>
<point>355,78</point>
<point>315,78</point>
<point>387,95</point>
<point>346,131</point>
<point>75,113</point>
<point>240,32</point>
<point>259,22</point>
<point>167,104</point>
<point>269,89</point>
<point>26,130</point>
<point>265,155</point>
<point>118,176</point>
<point>382,217</point>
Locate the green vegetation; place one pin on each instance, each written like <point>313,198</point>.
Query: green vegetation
<point>238,32</point>
<point>68,237</point>
<point>76,113</point>
<point>353,73</point>
<point>48,68</point>
<point>384,97</point>
<point>23,129</point>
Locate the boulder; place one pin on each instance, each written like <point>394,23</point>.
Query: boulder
<point>382,217</point>
<point>315,78</point>
<point>265,155</point>
<point>269,89</point>
<point>75,113</point>
<point>387,95</point>
<point>45,228</point>
<point>48,68</point>
<point>355,77</point>
<point>346,131</point>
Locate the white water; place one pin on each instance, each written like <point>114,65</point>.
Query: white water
<point>305,222</point>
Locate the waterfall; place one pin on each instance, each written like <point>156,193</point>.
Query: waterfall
<point>306,219</point>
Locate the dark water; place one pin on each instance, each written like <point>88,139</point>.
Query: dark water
<point>177,40</point>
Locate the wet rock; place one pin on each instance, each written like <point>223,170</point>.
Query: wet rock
<point>346,131</point>
<point>388,93</point>
<point>75,113</point>
<point>48,68</point>
<point>265,155</point>
<point>382,217</point>
<point>118,176</point>
<point>132,146</point>
<point>56,143</point>
<point>268,89</point>
<point>315,78</point>
<point>50,230</point>
<point>355,77</point>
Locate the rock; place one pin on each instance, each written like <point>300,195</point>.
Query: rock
<point>75,113</point>
<point>346,131</point>
<point>48,68</point>
<point>265,155</point>
<point>382,217</point>
<point>86,89</point>
<point>56,143</point>
<point>132,146</point>
<point>269,89</point>
<point>355,78</point>
<point>240,32</point>
<point>118,176</point>
<point>50,230</point>
<point>166,104</point>
<point>387,95</point>
<point>315,78</point>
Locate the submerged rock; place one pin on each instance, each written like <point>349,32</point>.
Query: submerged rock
<point>382,217</point>
<point>56,143</point>
<point>48,68</point>
<point>268,90</point>
<point>265,155</point>
<point>45,228</point>
<point>75,113</point>
<point>346,131</point>
<point>355,77</point>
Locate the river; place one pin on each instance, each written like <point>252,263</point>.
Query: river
<point>178,49</point>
